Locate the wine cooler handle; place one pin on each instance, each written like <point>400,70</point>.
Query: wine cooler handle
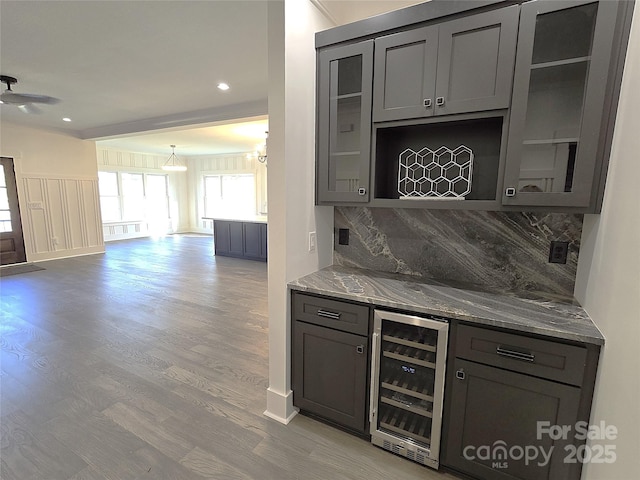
<point>375,355</point>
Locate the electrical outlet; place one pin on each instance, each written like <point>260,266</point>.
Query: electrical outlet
<point>312,241</point>
<point>343,236</point>
<point>558,252</point>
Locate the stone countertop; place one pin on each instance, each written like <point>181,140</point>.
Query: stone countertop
<point>248,218</point>
<point>560,318</point>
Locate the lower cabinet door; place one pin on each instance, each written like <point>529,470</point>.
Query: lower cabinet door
<point>255,240</point>
<point>499,425</point>
<point>330,374</point>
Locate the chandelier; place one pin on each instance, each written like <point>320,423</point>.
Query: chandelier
<point>173,164</point>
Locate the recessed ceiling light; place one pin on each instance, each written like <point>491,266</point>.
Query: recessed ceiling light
<point>223,86</point>
<point>66,119</point>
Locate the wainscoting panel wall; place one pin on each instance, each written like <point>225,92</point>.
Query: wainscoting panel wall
<point>491,251</point>
<point>61,217</point>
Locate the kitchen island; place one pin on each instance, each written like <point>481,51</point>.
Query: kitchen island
<point>244,237</point>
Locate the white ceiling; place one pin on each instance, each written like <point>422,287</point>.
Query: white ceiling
<point>124,67</point>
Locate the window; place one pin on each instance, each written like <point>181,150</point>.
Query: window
<point>230,195</point>
<point>134,197</point>
<point>157,203</point>
<point>5,211</point>
<point>109,196</point>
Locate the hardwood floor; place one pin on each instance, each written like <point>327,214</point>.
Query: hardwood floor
<point>150,362</point>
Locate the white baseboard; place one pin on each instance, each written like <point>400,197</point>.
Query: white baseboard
<point>76,252</point>
<point>280,406</point>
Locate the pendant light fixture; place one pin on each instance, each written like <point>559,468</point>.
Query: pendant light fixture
<point>173,164</point>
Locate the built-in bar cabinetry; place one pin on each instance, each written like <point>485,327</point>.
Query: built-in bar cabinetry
<point>506,390</point>
<point>428,110</point>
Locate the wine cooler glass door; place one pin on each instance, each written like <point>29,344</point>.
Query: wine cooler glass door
<point>407,384</point>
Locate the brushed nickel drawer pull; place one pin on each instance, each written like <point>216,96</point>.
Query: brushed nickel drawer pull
<point>328,314</point>
<point>360,349</point>
<point>527,357</point>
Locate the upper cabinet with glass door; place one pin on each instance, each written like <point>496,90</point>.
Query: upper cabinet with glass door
<point>344,123</point>
<point>562,67</point>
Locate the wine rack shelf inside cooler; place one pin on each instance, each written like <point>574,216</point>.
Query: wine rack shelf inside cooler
<point>407,424</point>
<point>407,380</point>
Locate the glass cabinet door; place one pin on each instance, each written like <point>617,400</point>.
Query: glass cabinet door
<point>564,50</point>
<point>344,123</point>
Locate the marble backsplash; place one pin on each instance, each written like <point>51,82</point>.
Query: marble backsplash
<point>489,251</point>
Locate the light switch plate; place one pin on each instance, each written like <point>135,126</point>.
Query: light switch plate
<point>312,241</point>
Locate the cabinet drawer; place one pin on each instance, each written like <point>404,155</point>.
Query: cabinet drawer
<point>331,313</point>
<point>542,358</point>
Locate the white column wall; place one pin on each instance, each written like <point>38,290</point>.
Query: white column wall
<point>608,282</point>
<point>290,183</point>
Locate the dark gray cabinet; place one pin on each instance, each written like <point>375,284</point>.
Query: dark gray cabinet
<point>240,239</point>
<point>557,123</point>
<point>344,123</point>
<point>500,387</point>
<point>549,70</point>
<point>255,240</point>
<point>459,66</point>
<point>330,360</point>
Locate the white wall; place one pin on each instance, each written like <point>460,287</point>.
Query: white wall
<point>290,184</point>
<point>608,282</point>
<point>57,184</point>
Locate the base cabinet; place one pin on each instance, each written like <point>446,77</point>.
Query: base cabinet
<point>240,239</point>
<point>505,392</point>
<point>498,412</point>
<point>330,364</point>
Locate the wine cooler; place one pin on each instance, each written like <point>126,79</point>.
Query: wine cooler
<point>407,384</point>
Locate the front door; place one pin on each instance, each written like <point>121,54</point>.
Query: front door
<point>11,239</point>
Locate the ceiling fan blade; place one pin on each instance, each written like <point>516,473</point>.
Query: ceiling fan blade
<point>29,108</point>
<point>24,98</point>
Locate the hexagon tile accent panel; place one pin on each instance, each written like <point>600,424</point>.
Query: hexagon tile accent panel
<point>441,173</point>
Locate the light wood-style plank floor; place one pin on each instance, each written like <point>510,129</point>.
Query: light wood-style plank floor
<point>150,362</point>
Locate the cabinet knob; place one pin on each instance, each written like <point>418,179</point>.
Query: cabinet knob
<point>460,374</point>
<point>440,101</point>
<point>360,349</point>
<point>362,191</point>
<point>510,192</point>
<point>427,103</point>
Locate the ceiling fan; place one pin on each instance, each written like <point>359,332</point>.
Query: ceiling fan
<point>24,101</point>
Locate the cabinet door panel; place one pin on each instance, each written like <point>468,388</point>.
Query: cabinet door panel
<point>221,237</point>
<point>330,374</point>
<point>475,62</point>
<point>236,240</point>
<point>491,407</point>
<point>564,51</point>
<point>405,74</point>
<point>344,123</point>
<point>252,240</point>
